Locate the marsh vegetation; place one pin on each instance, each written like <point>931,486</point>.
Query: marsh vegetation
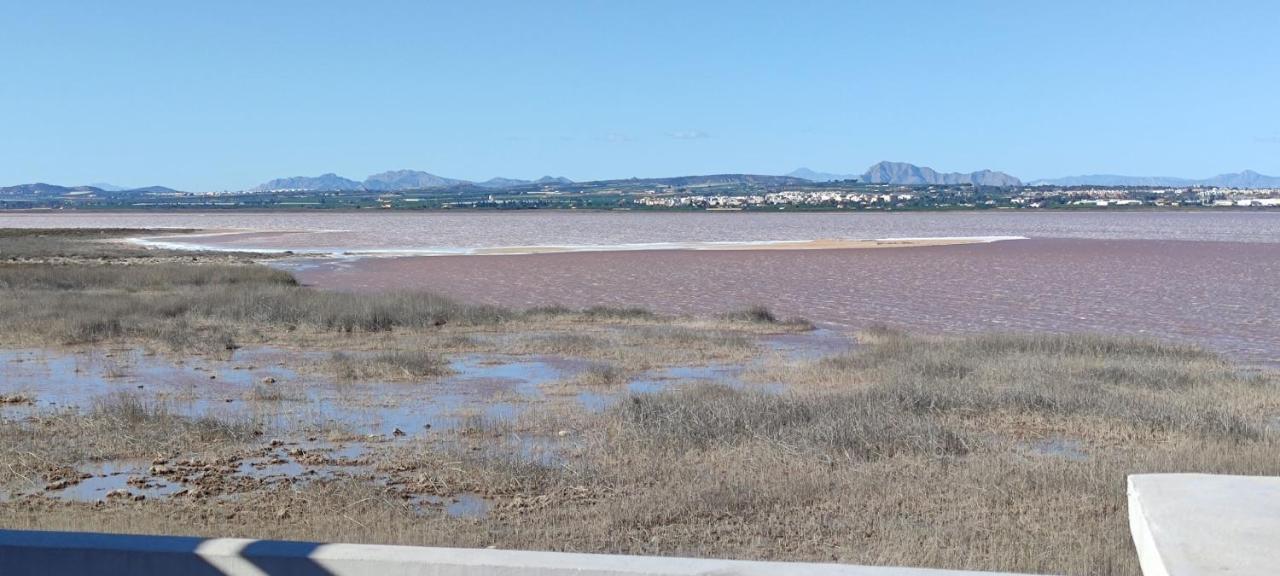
<point>211,303</point>
<point>985,451</point>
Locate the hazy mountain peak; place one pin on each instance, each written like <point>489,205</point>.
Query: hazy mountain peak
<point>910,174</point>
<point>326,181</point>
<point>500,182</point>
<point>814,176</point>
<point>1242,179</point>
<point>408,180</point>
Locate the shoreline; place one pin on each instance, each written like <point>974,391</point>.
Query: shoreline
<point>172,242</point>
<point>1040,284</point>
<point>213,210</point>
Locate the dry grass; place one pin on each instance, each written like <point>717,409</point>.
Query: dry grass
<point>911,451</point>
<point>78,243</point>
<point>760,314</point>
<point>1125,388</point>
<point>611,313</point>
<point>848,426</point>
<point>66,287</point>
<point>212,306</point>
<point>388,366</point>
<point>136,277</point>
<point>203,307</point>
<point>16,398</point>
<point>603,376</point>
<point>642,347</point>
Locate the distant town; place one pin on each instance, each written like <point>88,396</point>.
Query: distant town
<point>888,196</point>
<point>885,186</point>
<point>641,195</point>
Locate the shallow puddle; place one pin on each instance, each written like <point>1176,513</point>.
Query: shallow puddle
<point>661,379</point>
<point>257,384</point>
<point>75,380</point>
<point>596,401</point>
<point>494,386</point>
<point>107,477</point>
<point>465,505</point>
<point>810,345</point>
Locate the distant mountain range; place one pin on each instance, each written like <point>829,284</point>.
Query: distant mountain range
<point>911,175</point>
<point>1245,179</point>
<point>394,180</point>
<point>329,181</point>
<point>41,189</point>
<point>708,180</point>
<point>880,173</point>
<point>810,175</point>
<point>903,173</point>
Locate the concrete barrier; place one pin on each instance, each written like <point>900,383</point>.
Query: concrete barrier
<point>25,553</point>
<point>1204,524</point>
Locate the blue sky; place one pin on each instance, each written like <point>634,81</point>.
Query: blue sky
<point>224,95</point>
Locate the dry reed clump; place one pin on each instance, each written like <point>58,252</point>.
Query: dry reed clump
<point>641,347</point>
<point>343,312</point>
<point>203,306</point>
<point>17,398</point>
<point>264,392</point>
<point>844,426</point>
<point>603,376</point>
<point>133,278</point>
<point>596,313</point>
<point>86,317</point>
<point>477,425</point>
<point>598,377</point>
<point>760,314</point>
<point>1121,385</point>
<point>391,366</point>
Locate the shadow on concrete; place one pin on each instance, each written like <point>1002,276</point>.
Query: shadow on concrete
<point>278,558</point>
<point>36,552</point>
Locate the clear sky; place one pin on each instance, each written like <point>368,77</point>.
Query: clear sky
<point>224,95</point>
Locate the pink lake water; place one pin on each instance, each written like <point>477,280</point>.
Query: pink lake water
<point>444,232</point>
<point>1206,277</point>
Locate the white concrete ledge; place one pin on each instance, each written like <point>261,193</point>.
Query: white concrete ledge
<point>25,553</point>
<point>1204,524</point>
